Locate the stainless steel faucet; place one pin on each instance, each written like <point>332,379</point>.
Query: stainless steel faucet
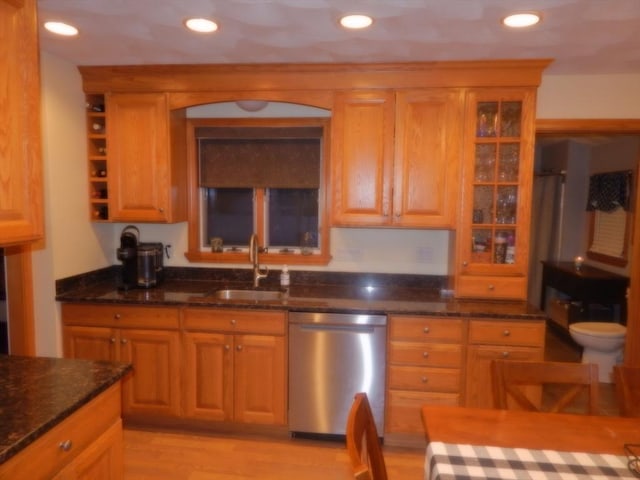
<point>253,258</point>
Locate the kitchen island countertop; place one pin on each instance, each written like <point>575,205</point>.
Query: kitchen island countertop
<point>38,393</point>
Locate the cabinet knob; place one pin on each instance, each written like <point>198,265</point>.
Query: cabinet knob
<point>124,341</point>
<point>65,445</point>
<point>505,354</point>
<point>239,347</point>
<point>161,210</point>
<point>425,354</point>
<point>424,379</point>
<point>117,316</point>
<point>465,263</point>
<point>491,287</point>
<point>227,348</point>
<point>506,333</point>
<point>425,329</point>
<point>112,339</point>
<point>232,321</point>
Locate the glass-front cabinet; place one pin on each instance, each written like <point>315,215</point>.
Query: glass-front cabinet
<point>493,233</point>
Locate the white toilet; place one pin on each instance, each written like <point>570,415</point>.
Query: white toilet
<point>602,344</point>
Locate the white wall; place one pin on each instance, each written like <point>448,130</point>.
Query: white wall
<point>589,96</point>
<point>74,245</point>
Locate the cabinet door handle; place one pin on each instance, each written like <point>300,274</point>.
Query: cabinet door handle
<point>465,263</point>
<point>425,329</point>
<point>239,347</point>
<point>124,341</point>
<point>505,354</point>
<point>424,380</point>
<point>425,354</point>
<point>112,339</point>
<point>227,348</point>
<point>117,316</point>
<point>232,321</point>
<point>506,333</point>
<point>65,445</point>
<point>491,287</point>
<point>161,210</point>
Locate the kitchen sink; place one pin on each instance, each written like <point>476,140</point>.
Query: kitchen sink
<point>253,295</point>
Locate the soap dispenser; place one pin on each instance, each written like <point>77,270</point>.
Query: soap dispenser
<point>284,277</point>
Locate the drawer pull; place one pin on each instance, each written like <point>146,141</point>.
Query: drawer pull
<point>424,379</point>
<point>66,445</point>
<point>425,329</point>
<point>124,341</point>
<point>506,333</point>
<point>232,321</point>
<point>425,354</point>
<point>227,348</point>
<point>505,354</point>
<point>117,316</point>
<point>239,347</point>
<point>112,339</point>
<point>491,287</point>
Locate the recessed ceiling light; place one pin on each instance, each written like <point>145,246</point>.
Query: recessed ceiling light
<point>521,20</point>
<point>201,25</point>
<point>60,28</point>
<point>356,21</point>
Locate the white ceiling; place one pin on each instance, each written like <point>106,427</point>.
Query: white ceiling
<point>583,36</point>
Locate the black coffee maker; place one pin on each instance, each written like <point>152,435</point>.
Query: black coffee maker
<point>142,263</point>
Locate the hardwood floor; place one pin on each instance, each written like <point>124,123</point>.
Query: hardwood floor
<point>187,456</point>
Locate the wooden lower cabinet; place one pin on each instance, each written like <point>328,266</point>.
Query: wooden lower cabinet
<point>235,365</point>
<point>425,360</point>
<point>493,340</point>
<point>146,337</point>
<point>93,436</point>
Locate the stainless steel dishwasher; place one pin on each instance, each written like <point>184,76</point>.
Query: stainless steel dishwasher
<point>332,356</point>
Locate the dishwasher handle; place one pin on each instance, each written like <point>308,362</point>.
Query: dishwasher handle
<point>337,328</point>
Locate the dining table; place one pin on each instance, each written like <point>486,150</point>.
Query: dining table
<point>465,443</point>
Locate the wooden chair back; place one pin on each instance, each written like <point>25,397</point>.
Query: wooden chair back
<point>562,382</point>
<point>363,444</point>
<point>627,385</point>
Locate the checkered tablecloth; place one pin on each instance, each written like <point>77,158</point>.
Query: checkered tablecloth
<point>447,461</point>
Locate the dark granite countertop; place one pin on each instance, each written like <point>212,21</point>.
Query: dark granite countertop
<point>371,293</point>
<point>37,393</point>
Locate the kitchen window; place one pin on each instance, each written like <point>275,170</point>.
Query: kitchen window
<point>266,176</point>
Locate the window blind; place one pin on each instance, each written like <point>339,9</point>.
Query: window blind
<point>259,157</point>
<point>609,232</point>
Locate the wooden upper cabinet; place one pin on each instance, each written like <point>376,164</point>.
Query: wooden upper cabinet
<point>362,157</point>
<point>146,151</point>
<point>428,145</point>
<point>21,195</point>
<point>396,157</point>
<point>492,238</point>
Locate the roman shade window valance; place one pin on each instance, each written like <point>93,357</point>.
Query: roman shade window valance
<point>248,157</point>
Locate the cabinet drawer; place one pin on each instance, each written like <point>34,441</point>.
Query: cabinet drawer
<point>425,354</point>
<point>426,329</point>
<point>45,456</point>
<point>235,321</point>
<point>424,379</point>
<point>120,316</point>
<point>494,332</point>
<point>403,409</point>
<point>491,287</point>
